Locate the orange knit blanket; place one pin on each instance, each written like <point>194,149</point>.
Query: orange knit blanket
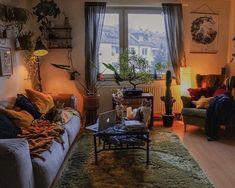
<point>40,136</point>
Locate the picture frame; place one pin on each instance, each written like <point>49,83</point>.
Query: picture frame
<point>204,32</point>
<point>6,68</point>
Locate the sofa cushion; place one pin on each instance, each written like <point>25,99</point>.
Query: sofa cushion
<point>7,128</point>
<point>15,164</point>
<point>43,102</point>
<point>203,102</point>
<point>72,127</point>
<point>46,171</point>
<point>194,112</point>
<point>20,118</point>
<point>24,103</point>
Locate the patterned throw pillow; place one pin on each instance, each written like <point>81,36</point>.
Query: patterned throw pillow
<point>43,102</point>
<point>203,102</point>
<point>19,118</point>
<point>24,103</point>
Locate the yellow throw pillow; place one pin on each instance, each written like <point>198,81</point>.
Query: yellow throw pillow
<point>203,102</point>
<point>42,102</point>
<point>20,118</point>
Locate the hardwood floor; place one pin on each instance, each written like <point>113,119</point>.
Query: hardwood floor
<point>217,158</point>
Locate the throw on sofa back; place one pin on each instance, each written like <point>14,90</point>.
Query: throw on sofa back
<point>211,80</point>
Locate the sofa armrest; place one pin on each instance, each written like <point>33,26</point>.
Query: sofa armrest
<point>69,100</point>
<point>15,164</point>
<point>186,101</point>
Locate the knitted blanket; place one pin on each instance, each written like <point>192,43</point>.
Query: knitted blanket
<point>41,134</point>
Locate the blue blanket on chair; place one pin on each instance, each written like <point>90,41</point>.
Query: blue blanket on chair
<point>219,112</point>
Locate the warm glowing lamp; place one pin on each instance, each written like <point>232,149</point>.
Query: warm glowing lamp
<point>39,51</point>
<point>185,79</point>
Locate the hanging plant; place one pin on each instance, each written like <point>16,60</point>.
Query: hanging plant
<point>43,10</point>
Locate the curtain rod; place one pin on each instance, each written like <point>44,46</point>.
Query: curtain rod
<point>141,5</point>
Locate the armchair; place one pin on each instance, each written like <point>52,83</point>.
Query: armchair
<point>192,115</point>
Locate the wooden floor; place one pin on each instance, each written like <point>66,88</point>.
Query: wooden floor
<point>217,158</point>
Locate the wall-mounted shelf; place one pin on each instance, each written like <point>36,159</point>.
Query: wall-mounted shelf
<point>59,37</point>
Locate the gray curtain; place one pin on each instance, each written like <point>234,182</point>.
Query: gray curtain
<point>94,19</point>
<point>173,17</point>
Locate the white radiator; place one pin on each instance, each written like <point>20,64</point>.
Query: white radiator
<point>156,90</point>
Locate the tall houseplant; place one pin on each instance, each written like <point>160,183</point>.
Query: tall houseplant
<point>168,117</point>
<point>90,97</point>
<point>131,68</point>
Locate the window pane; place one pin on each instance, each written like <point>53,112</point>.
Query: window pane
<point>109,47</point>
<point>146,35</point>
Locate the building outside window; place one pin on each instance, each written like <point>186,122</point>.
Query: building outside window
<point>138,29</point>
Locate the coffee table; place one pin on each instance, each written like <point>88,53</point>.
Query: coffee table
<point>119,138</point>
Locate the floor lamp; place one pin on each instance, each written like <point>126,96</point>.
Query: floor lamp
<point>39,51</point>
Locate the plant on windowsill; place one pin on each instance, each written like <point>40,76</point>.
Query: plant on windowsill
<point>168,117</point>
<point>132,68</point>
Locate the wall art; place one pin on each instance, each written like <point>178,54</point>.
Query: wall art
<point>6,68</point>
<point>204,32</point>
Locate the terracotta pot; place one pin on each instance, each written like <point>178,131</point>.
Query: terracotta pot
<point>167,120</point>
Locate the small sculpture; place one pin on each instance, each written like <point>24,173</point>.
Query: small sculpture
<point>168,100</point>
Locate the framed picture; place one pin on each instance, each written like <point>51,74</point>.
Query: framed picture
<point>204,32</point>
<point>5,62</point>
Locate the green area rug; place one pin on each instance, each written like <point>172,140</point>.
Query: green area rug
<point>170,166</point>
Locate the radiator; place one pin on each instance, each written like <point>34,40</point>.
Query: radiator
<point>156,90</point>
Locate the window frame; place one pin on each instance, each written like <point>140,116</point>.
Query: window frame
<point>123,24</point>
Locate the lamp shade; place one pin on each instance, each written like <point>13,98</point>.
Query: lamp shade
<point>185,79</point>
<point>40,49</point>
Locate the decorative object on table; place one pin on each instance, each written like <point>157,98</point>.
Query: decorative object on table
<point>204,30</point>
<point>6,68</point>
<point>168,117</point>
<point>118,98</point>
<point>171,165</point>
<point>145,111</point>
<point>132,68</point>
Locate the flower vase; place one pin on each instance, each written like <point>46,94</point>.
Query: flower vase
<point>119,111</point>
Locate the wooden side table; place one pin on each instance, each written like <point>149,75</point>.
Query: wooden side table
<point>136,101</point>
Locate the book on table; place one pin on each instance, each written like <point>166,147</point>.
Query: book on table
<point>134,125</point>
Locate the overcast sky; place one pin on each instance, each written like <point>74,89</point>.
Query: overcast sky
<point>150,22</point>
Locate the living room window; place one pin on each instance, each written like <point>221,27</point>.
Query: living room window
<point>138,29</point>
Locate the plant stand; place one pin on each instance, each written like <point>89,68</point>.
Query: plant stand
<point>91,105</point>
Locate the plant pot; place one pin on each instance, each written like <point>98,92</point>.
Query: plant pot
<point>91,105</point>
<point>167,120</point>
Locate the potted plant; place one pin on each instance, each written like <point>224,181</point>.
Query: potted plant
<point>132,68</point>
<point>159,70</point>
<point>24,39</point>
<point>168,117</point>
<point>43,10</point>
<point>19,16</point>
<point>90,97</point>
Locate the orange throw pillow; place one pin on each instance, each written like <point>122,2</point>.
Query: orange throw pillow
<point>19,118</point>
<point>42,102</point>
